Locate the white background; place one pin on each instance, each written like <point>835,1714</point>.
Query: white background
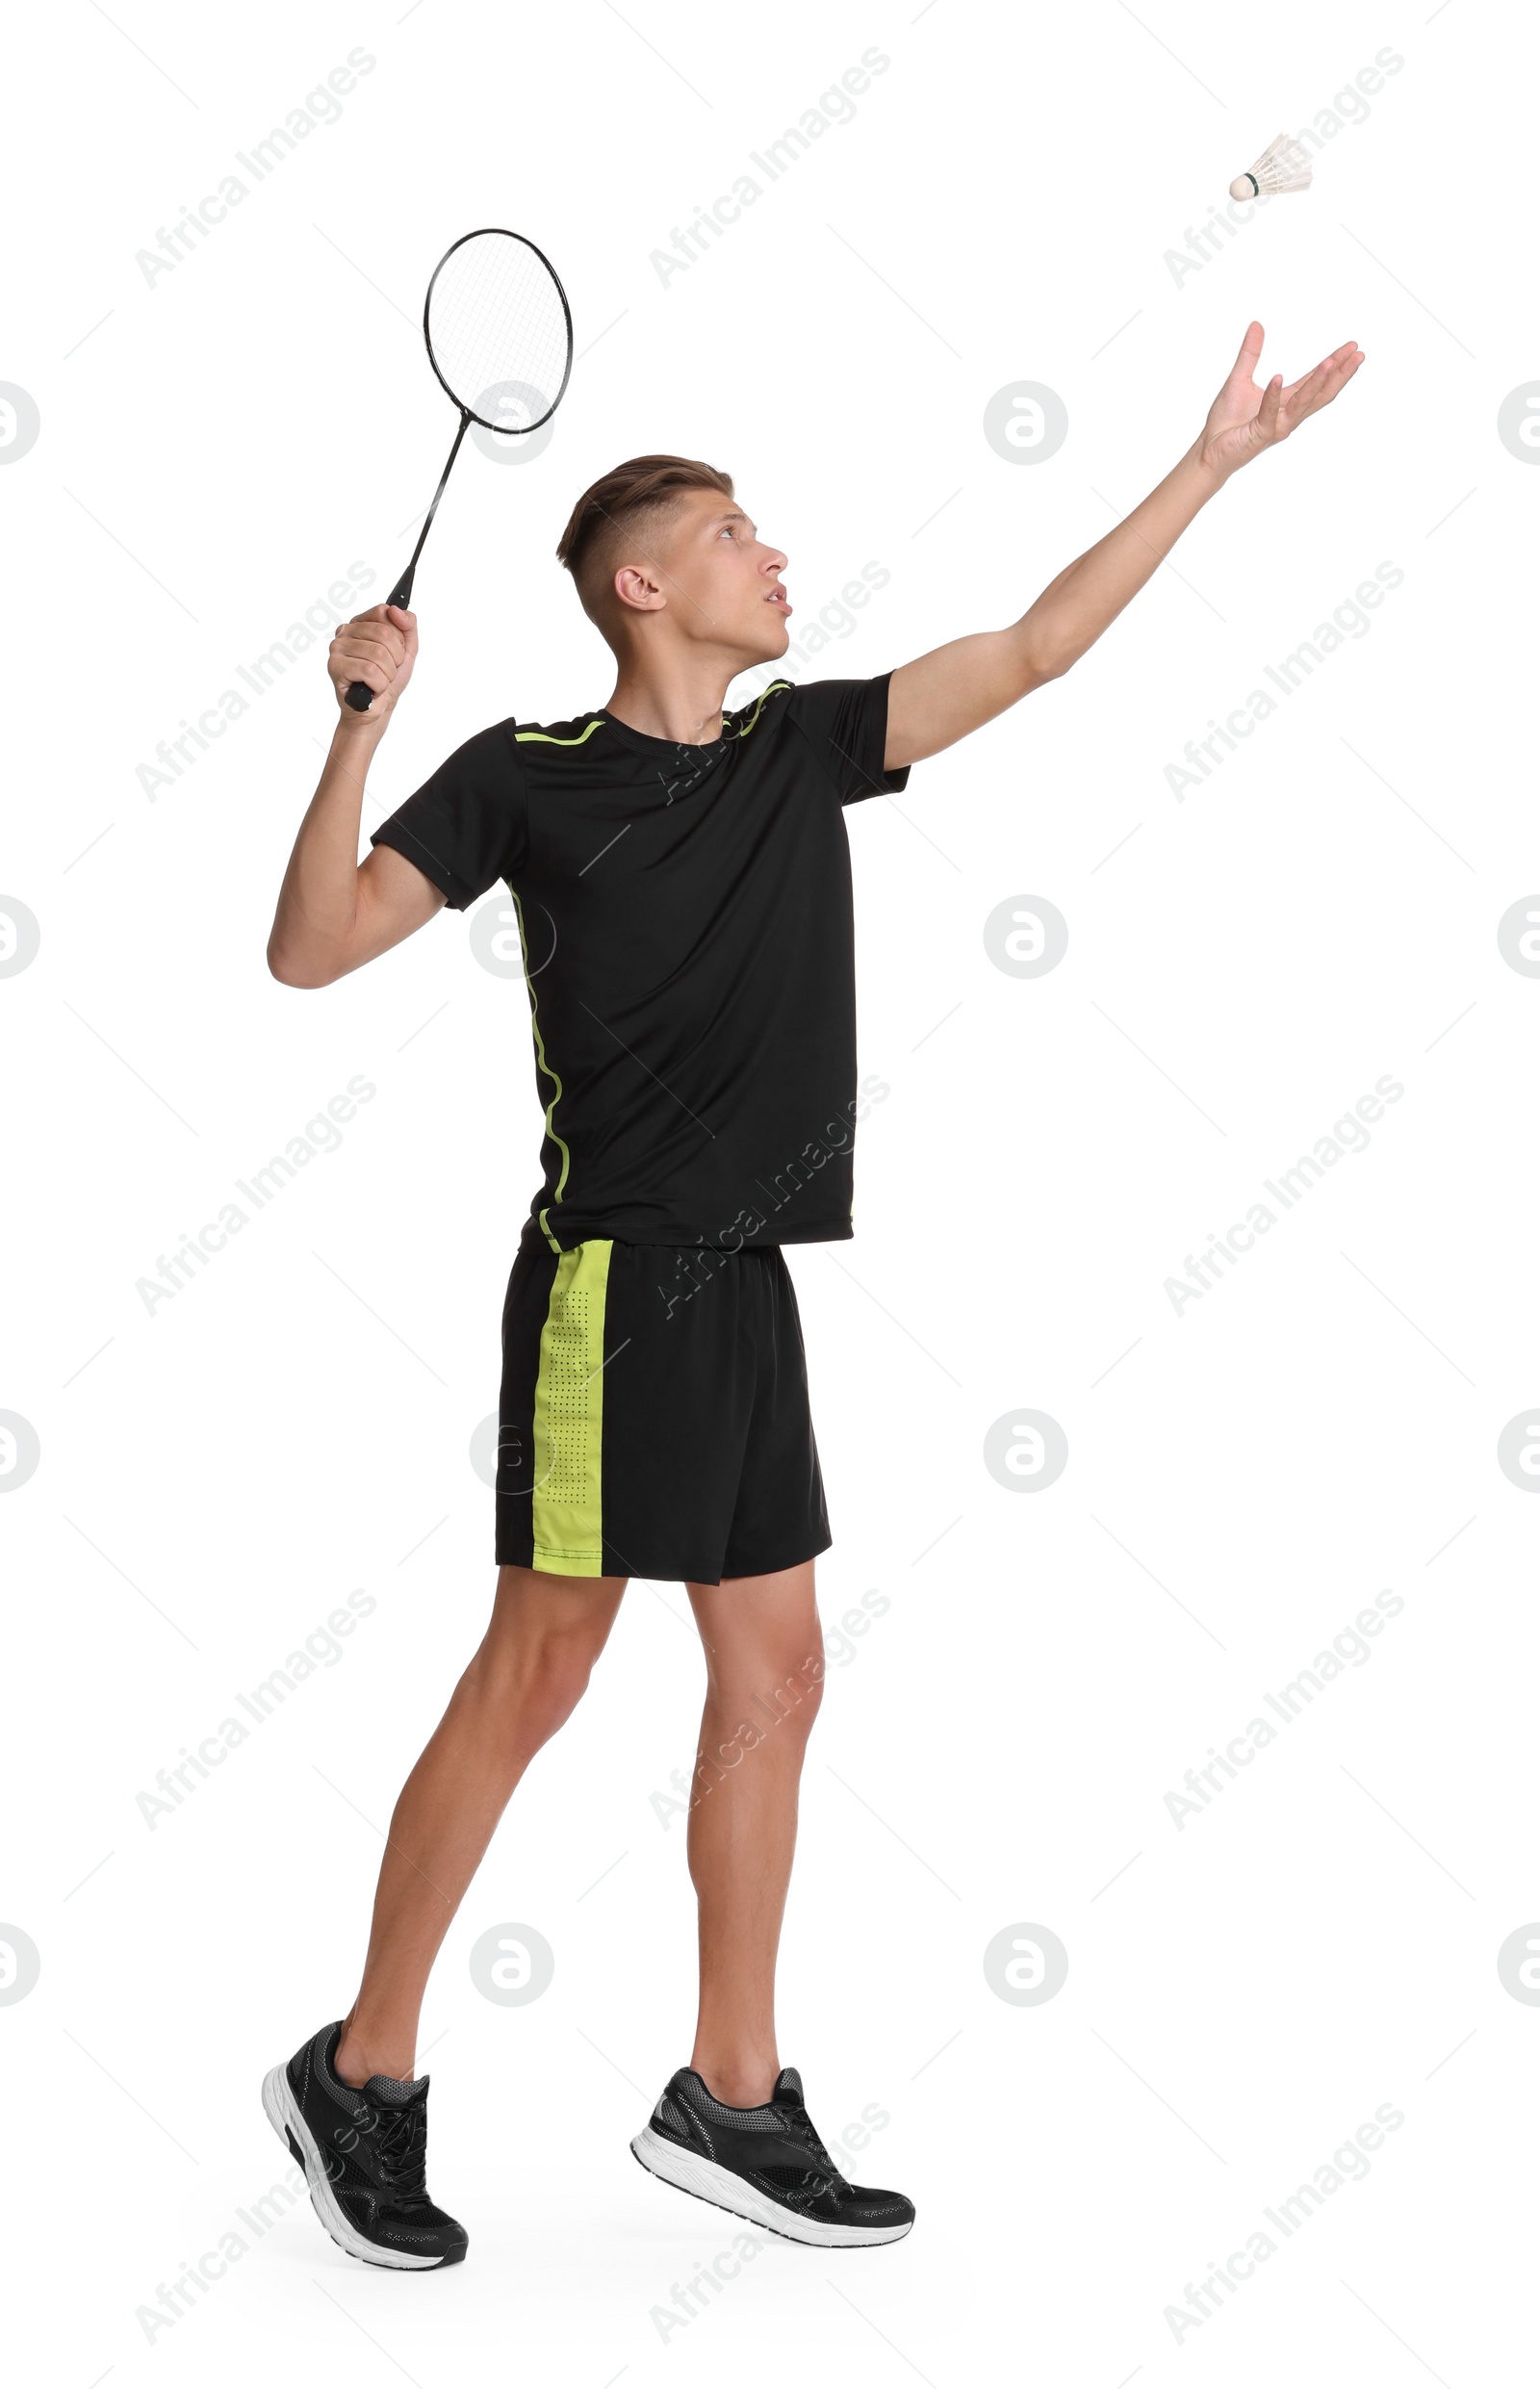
<point>1243,1475</point>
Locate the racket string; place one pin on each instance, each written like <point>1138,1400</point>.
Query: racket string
<point>496,315</point>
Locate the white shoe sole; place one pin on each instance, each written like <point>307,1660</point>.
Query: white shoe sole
<point>286,2120</point>
<point>730,2191</point>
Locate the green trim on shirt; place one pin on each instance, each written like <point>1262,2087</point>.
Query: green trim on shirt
<point>763,694</point>
<point>546,739</point>
<point>540,1057</point>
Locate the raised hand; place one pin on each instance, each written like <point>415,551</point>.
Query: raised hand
<point>1245,419</point>
<point>379,648</point>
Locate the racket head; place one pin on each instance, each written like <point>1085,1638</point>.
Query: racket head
<point>494,313</point>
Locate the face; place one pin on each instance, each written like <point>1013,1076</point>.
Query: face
<point>716,580</point>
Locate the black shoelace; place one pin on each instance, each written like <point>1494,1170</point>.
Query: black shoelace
<point>401,2136</point>
<point>827,2173</point>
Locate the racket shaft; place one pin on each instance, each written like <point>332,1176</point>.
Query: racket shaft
<point>359,694</point>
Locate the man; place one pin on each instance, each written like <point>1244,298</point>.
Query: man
<point>683,885</point>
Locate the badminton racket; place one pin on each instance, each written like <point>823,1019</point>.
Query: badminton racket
<point>494,313</point>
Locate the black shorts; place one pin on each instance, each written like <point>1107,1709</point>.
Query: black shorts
<point>654,1419</point>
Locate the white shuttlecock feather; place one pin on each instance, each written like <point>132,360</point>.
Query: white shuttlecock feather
<point>1283,165</point>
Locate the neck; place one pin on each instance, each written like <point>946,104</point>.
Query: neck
<point>673,696</point>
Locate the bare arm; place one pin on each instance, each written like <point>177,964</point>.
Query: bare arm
<point>940,697</point>
<point>335,913</point>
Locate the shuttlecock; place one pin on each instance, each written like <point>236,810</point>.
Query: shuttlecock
<point>1283,165</point>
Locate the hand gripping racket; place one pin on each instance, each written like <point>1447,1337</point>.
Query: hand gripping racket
<point>495,314</point>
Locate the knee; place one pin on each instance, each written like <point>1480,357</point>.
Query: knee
<point>555,1680</point>
<point>536,1687</point>
<point>791,1697</point>
<point>809,1676</point>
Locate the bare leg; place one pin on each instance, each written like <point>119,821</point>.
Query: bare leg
<point>764,1675</point>
<point>525,1680</point>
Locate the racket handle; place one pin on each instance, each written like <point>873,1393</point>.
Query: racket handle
<point>359,693</point>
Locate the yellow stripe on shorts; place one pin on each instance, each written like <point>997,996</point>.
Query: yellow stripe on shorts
<point>569,1537</point>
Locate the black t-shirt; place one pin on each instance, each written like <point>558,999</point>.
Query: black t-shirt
<point>688,946</point>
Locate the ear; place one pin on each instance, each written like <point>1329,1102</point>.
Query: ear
<point>638,587</point>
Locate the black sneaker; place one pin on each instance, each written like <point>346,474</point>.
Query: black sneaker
<point>364,2153</point>
<point>766,2163</point>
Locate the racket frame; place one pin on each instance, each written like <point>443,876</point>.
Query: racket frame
<point>501,232</point>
